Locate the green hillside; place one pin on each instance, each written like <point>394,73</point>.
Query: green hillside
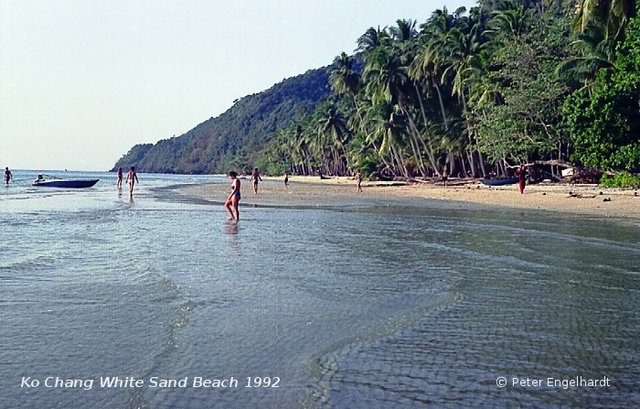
<point>235,138</point>
<point>474,93</point>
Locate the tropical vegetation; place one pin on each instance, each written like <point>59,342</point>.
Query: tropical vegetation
<point>477,91</point>
<point>236,138</point>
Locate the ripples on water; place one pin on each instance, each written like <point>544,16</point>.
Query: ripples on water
<point>370,307</point>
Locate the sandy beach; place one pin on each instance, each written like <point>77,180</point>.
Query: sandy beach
<point>589,200</point>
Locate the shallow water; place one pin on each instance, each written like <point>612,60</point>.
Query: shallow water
<point>364,307</point>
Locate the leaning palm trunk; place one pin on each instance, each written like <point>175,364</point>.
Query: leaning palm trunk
<point>415,134</point>
<point>427,145</point>
<point>441,102</point>
<point>413,142</point>
<point>337,163</point>
<point>474,146</point>
<point>467,120</point>
<point>384,160</point>
<point>344,159</point>
<point>452,161</point>
<point>398,158</point>
<point>464,168</point>
<point>471,163</point>
<point>482,168</point>
<point>417,155</point>
<point>504,167</point>
<point>431,156</point>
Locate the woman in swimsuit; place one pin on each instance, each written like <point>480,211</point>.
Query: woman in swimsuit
<point>234,197</point>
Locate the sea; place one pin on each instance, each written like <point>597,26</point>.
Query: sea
<point>157,301</point>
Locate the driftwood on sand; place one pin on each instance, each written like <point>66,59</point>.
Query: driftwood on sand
<point>581,195</point>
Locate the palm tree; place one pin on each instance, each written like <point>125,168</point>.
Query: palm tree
<point>403,33</point>
<point>343,78</point>
<point>406,46</point>
<point>595,52</point>
<point>447,40</point>
<point>386,80</point>
<point>441,21</point>
<point>301,146</point>
<point>388,127</point>
<point>459,49</point>
<point>508,22</point>
<point>372,39</point>
<point>333,127</point>
<point>425,67</point>
<point>611,16</point>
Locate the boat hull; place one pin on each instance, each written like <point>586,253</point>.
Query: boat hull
<point>74,184</point>
<point>499,182</point>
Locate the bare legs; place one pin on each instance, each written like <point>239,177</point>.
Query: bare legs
<point>232,205</point>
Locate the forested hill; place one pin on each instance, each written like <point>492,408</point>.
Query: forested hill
<point>234,139</point>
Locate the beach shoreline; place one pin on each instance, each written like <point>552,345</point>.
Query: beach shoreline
<point>308,191</point>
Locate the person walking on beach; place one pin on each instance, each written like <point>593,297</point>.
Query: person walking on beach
<point>255,176</point>
<point>232,201</point>
<point>522,178</point>
<point>286,180</point>
<point>119,183</point>
<point>359,181</point>
<point>132,178</point>
<point>445,175</point>
<point>7,175</point>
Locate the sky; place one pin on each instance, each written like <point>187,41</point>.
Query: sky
<point>82,81</point>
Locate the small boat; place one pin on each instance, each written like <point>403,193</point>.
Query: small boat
<point>68,183</point>
<point>499,181</point>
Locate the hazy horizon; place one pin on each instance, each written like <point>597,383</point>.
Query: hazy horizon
<point>82,82</point>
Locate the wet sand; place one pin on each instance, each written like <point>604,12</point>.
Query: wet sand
<point>313,192</point>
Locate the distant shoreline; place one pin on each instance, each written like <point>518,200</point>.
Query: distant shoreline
<point>305,191</point>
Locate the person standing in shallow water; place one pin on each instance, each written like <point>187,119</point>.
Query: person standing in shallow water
<point>132,178</point>
<point>359,181</point>
<point>119,183</point>
<point>255,176</point>
<point>232,201</point>
<point>7,175</point>
<point>286,180</point>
